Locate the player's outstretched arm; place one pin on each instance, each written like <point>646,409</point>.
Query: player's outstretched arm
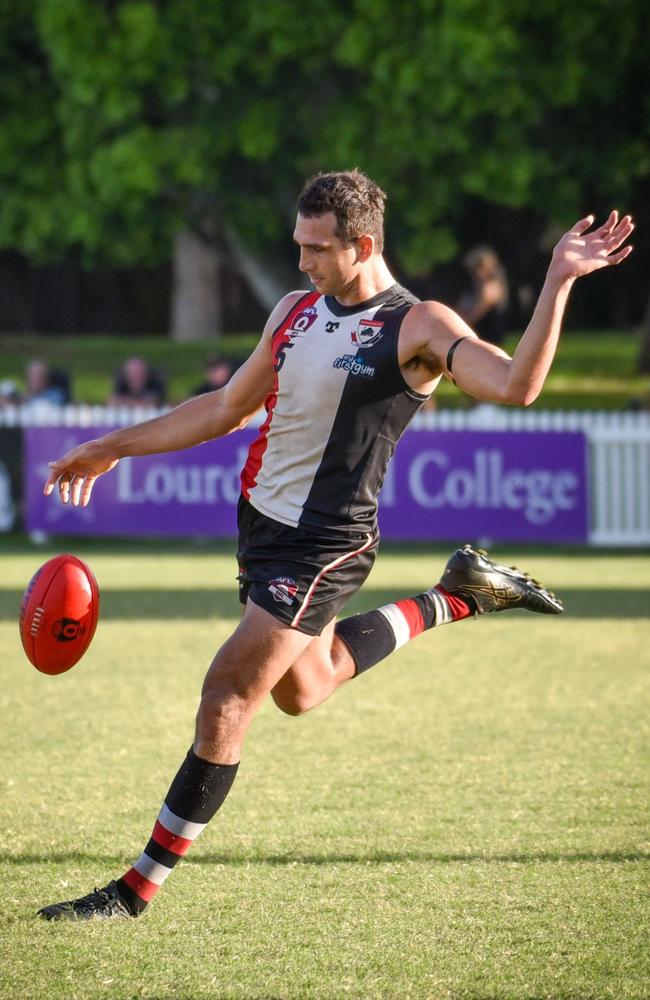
<point>200,419</point>
<point>485,371</point>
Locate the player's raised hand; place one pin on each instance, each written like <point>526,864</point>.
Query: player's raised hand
<point>581,251</point>
<point>77,471</point>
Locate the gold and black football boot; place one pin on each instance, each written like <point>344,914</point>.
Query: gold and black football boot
<point>489,587</point>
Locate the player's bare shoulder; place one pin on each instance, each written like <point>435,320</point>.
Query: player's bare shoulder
<point>253,380</point>
<point>428,331</point>
<point>281,310</point>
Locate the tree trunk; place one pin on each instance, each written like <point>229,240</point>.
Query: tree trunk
<point>643,366</point>
<point>267,279</point>
<point>196,295</point>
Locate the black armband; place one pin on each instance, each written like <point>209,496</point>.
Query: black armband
<point>450,355</point>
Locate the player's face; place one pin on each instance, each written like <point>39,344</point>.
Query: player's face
<point>329,263</point>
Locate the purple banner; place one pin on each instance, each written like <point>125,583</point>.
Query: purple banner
<point>441,485</point>
<point>504,485</point>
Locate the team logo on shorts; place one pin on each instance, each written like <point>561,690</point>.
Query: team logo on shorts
<point>369,332</point>
<point>284,589</point>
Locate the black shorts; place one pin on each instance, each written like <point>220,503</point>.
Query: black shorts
<point>302,576</point>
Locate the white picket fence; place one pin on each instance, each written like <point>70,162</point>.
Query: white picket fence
<point>619,444</point>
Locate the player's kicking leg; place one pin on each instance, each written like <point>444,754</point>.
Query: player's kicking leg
<point>471,584</point>
<point>267,655</point>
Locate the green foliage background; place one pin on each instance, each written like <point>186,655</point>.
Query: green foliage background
<point>123,121</point>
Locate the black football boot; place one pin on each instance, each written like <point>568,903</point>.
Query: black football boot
<point>101,904</point>
<point>488,587</point>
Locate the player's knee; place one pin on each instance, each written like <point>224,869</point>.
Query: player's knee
<point>219,708</point>
<point>293,703</point>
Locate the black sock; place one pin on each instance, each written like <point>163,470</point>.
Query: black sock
<point>372,636</point>
<point>195,794</point>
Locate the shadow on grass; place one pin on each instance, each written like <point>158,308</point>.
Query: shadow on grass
<point>163,603</point>
<point>321,860</point>
<point>222,602</point>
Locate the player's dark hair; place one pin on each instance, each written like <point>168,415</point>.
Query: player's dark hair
<point>356,201</point>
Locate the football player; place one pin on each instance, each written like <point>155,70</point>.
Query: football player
<point>341,370</point>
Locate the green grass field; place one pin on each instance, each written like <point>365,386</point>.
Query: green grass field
<point>468,820</point>
<point>593,369</point>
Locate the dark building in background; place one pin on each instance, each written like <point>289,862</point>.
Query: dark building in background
<point>67,299</point>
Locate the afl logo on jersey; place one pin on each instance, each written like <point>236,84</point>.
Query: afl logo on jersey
<point>303,321</point>
<point>369,332</point>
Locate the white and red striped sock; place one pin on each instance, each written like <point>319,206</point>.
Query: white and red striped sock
<point>195,794</point>
<point>373,636</point>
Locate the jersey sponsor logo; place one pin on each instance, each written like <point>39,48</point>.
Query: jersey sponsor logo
<point>354,365</point>
<point>331,326</point>
<point>284,589</point>
<point>368,333</point>
<point>303,321</point>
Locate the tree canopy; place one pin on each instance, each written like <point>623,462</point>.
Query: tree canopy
<point>124,121</point>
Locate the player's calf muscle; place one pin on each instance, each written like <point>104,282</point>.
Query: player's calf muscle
<point>228,704</point>
<point>324,665</point>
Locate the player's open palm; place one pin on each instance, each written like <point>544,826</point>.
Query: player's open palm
<point>580,252</point>
<point>77,471</point>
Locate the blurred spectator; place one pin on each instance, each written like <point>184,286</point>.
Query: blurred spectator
<point>9,394</point>
<point>217,372</point>
<point>639,404</point>
<point>60,381</point>
<point>137,384</point>
<point>484,307</point>
<point>45,385</point>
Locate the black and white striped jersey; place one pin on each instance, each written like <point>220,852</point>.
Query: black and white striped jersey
<point>338,406</point>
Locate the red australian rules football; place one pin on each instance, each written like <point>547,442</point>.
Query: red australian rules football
<point>58,614</point>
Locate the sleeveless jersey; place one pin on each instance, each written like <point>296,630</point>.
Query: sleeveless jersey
<point>338,406</point>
